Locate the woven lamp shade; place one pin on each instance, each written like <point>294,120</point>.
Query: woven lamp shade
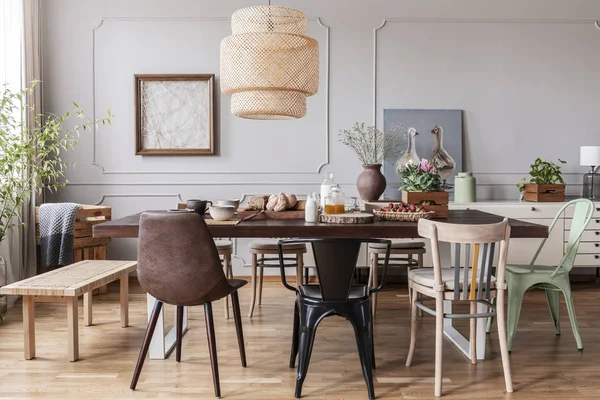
<point>268,65</point>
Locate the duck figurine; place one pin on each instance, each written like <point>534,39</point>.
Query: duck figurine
<point>444,162</point>
<point>411,150</point>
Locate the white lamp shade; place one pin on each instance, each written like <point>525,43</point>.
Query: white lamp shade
<point>590,156</point>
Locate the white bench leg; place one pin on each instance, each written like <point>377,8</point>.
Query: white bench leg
<point>29,327</point>
<point>72,322</point>
<point>162,344</point>
<point>124,297</point>
<point>87,308</point>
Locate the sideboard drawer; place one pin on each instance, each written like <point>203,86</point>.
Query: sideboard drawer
<point>587,248</point>
<point>588,236</point>
<point>516,211</point>
<point>587,259</point>
<point>593,225</point>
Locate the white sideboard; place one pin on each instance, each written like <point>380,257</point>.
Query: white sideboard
<point>521,251</point>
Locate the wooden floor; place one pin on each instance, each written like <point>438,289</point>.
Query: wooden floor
<point>545,366</point>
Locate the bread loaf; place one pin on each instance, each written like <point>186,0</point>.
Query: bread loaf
<point>291,198</point>
<point>258,203</point>
<point>282,203</point>
<point>272,202</point>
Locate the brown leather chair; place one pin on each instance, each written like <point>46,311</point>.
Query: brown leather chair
<point>178,264</point>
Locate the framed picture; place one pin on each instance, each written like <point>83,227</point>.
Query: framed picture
<point>174,114</point>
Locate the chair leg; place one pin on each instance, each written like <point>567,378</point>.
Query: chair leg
<point>300,266</point>
<point>253,299</point>
<point>179,333</point>
<point>554,306</point>
<point>362,323</point>
<point>573,317</point>
<point>212,347</point>
<point>295,333</point>
<point>515,301</point>
<point>261,273</point>
<point>146,343</point>
<point>473,333</point>
<point>413,329</point>
<point>439,341</point>
<point>226,268</point>
<point>375,280</point>
<point>410,301</point>
<point>500,313</point>
<point>308,327</point>
<point>237,316</point>
<point>490,320</point>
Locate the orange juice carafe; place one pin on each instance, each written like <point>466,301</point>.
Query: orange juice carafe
<point>335,201</point>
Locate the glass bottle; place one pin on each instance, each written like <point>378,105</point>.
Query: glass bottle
<point>311,212</point>
<point>335,202</point>
<point>326,186</point>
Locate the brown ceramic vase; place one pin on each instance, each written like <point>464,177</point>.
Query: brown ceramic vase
<point>371,183</point>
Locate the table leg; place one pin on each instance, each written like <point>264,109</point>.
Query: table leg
<point>72,323</point>
<point>87,308</point>
<point>29,327</point>
<point>162,344</point>
<point>124,298</point>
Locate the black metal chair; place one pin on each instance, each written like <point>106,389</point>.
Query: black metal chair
<point>335,262</point>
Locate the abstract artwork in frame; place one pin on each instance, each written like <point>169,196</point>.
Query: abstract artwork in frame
<point>174,114</point>
<point>423,120</point>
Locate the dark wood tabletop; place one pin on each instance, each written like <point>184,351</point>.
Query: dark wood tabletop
<point>128,227</point>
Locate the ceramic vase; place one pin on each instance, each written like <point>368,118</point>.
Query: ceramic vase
<point>371,183</point>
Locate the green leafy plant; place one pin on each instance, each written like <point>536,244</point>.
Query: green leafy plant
<point>420,177</point>
<point>371,145</point>
<point>543,173</point>
<point>30,154</point>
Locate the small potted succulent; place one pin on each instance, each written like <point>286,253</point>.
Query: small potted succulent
<point>423,186</point>
<point>545,182</point>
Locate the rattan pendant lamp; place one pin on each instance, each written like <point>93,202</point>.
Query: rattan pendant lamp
<point>268,65</point>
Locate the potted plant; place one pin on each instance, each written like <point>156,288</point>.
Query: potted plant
<point>30,156</point>
<point>372,147</point>
<point>545,182</point>
<point>423,185</point>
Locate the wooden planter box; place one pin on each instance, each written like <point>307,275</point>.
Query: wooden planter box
<point>439,201</point>
<point>543,193</point>
<point>85,246</point>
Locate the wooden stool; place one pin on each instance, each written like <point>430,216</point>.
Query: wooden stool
<point>407,249</point>
<point>260,248</point>
<point>225,249</point>
<point>65,285</point>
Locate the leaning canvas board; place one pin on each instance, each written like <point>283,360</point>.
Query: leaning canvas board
<point>423,121</point>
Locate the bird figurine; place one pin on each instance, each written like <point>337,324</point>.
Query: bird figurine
<point>411,150</point>
<point>444,162</point>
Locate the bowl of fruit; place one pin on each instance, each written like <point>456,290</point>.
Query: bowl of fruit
<point>403,212</point>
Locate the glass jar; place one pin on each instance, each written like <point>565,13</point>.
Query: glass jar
<point>335,203</point>
<point>591,185</point>
<point>326,187</point>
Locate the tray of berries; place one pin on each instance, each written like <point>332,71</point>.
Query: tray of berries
<point>403,212</point>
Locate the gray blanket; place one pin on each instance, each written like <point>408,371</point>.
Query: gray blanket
<point>57,225</point>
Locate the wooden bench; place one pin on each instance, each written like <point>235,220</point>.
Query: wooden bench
<point>65,285</point>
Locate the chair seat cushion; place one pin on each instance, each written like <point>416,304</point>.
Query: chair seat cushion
<point>424,276</point>
<point>237,283</point>
<point>272,245</point>
<point>398,245</point>
<point>314,291</point>
<point>537,269</point>
<point>224,244</point>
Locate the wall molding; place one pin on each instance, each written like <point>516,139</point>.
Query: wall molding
<point>327,132</point>
<point>105,196</point>
<point>459,20</point>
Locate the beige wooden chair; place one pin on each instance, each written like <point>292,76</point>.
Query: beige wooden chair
<point>472,283</point>
<point>265,255</point>
<point>402,253</point>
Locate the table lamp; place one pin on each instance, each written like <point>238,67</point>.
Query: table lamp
<point>590,156</point>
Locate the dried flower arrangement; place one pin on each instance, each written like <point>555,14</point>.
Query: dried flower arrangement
<point>371,145</point>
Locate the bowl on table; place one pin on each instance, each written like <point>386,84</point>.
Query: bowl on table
<point>222,213</point>
<point>234,203</point>
<point>198,206</point>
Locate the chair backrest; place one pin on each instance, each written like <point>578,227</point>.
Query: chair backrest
<point>178,262</point>
<point>477,265</point>
<point>335,262</point>
<point>582,215</point>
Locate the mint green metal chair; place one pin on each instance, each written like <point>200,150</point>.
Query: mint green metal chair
<point>552,279</point>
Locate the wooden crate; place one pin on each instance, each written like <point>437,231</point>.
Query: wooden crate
<point>543,193</point>
<point>440,200</point>
<point>85,246</point>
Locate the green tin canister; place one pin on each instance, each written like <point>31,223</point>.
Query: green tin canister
<point>464,188</point>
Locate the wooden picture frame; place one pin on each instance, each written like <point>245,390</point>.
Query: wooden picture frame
<point>172,117</point>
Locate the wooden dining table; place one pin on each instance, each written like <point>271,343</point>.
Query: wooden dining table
<point>162,344</point>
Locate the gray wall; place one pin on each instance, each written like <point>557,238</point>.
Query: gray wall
<point>524,72</point>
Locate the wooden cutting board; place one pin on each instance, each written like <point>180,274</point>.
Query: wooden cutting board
<point>354,218</point>
<point>288,214</point>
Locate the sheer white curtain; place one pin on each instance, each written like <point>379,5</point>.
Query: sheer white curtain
<point>20,63</point>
